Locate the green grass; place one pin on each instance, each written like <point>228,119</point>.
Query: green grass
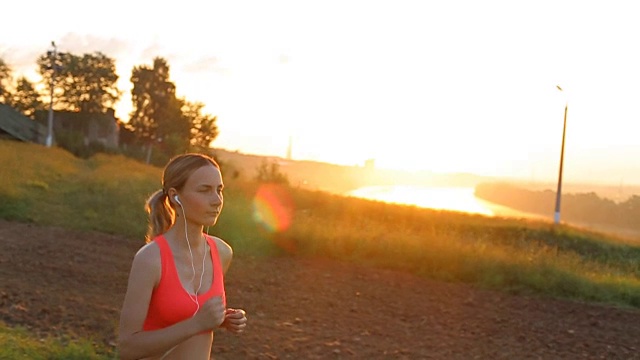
<point>106,193</point>
<point>17,343</point>
<point>512,255</point>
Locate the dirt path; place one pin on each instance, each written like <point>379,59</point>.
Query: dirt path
<point>56,281</point>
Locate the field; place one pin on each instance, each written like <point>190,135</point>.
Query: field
<point>328,277</point>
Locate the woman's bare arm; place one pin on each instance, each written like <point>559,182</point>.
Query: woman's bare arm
<point>134,343</point>
<point>235,319</point>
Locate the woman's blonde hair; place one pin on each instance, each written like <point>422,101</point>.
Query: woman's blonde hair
<point>175,175</point>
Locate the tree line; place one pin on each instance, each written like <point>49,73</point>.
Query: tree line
<point>577,208</point>
<point>86,84</point>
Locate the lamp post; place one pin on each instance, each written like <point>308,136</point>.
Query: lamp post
<point>52,55</point>
<point>556,218</point>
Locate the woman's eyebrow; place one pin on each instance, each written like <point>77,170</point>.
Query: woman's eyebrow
<point>207,186</point>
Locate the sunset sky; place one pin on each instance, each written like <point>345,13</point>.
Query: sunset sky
<point>446,86</point>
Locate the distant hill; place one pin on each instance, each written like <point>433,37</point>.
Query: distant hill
<point>338,178</point>
<point>341,178</point>
<point>617,193</point>
<point>583,209</point>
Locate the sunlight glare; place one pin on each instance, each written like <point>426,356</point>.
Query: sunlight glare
<point>460,199</point>
<point>273,207</point>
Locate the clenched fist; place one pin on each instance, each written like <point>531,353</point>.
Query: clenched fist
<point>211,314</point>
<point>235,320</point>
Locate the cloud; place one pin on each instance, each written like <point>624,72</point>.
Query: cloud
<point>21,60</point>
<point>151,52</point>
<point>81,44</point>
<point>205,64</point>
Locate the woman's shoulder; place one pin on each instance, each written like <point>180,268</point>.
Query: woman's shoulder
<point>149,254</point>
<point>221,245</point>
<point>146,266</point>
<point>224,250</point>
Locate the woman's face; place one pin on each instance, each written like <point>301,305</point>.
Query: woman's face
<point>201,196</point>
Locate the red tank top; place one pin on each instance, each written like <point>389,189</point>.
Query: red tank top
<point>170,302</point>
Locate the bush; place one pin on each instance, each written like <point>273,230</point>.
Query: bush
<point>269,172</point>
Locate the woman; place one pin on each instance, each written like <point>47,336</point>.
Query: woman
<point>175,297</point>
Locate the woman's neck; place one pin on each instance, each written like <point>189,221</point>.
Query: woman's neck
<point>194,235</point>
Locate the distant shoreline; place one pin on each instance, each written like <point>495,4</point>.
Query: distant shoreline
<point>340,179</point>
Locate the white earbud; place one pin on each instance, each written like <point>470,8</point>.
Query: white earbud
<point>177,200</point>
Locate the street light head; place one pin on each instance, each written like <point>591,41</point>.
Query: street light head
<point>559,88</point>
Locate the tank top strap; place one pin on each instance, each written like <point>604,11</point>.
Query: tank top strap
<point>166,258</point>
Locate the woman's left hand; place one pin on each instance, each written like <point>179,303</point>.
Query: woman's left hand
<point>235,320</point>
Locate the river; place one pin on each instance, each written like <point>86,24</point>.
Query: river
<point>461,199</point>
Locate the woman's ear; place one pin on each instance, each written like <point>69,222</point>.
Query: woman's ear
<point>172,194</point>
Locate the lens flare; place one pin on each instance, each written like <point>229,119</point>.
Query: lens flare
<point>273,207</point>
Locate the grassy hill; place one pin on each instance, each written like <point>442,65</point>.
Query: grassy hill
<point>106,193</point>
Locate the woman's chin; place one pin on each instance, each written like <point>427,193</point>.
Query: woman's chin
<point>210,222</point>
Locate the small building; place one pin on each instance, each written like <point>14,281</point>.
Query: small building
<point>100,128</point>
<point>14,125</point>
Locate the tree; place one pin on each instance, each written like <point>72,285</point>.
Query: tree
<point>152,94</point>
<point>157,119</point>
<point>203,126</point>
<point>160,119</point>
<point>81,83</point>
<point>26,98</point>
<point>5,81</point>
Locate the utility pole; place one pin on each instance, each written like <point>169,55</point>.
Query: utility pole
<point>53,55</point>
<point>556,218</point>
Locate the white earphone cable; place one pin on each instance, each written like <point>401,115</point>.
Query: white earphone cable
<point>193,298</point>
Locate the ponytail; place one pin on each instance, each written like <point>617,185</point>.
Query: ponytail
<point>161,215</point>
